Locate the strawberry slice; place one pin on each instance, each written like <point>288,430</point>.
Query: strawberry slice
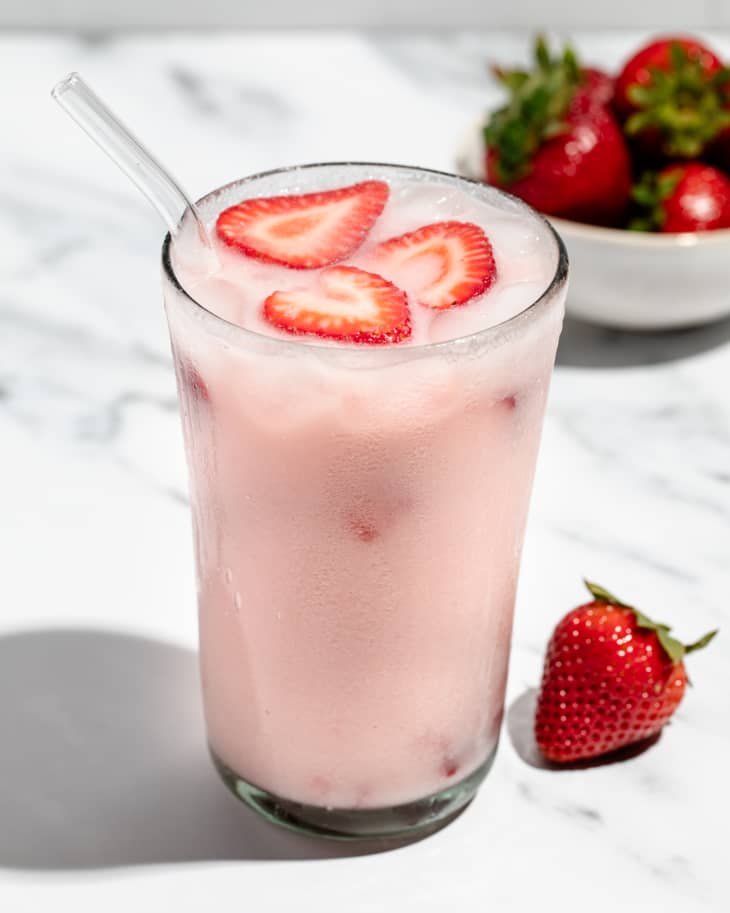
<point>305,231</point>
<point>440,265</point>
<point>350,305</point>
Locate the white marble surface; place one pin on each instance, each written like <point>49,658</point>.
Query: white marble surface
<point>106,798</point>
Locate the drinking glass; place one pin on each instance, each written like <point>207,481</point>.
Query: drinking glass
<point>358,517</point>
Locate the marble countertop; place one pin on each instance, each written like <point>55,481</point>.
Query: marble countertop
<point>107,800</point>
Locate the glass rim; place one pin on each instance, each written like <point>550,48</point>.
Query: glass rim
<point>491,332</point>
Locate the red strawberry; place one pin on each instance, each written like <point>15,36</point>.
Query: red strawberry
<point>661,55</point>
<point>556,147</point>
<point>673,94</point>
<point>596,86</point>
<point>351,306</point>
<point>440,265</point>
<point>582,173</point>
<point>688,196</point>
<point>612,677</point>
<point>306,231</point>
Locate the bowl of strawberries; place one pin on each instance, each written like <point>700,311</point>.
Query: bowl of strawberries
<point>633,170</point>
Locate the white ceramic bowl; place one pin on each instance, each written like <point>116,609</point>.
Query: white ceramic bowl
<point>634,280</point>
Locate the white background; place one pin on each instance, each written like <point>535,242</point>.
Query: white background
<point>529,14</point>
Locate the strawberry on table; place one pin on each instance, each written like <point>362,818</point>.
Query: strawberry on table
<point>350,305</point>
<point>304,231</point>
<point>555,145</point>
<point>685,196</point>
<point>441,265</point>
<point>673,95</point>
<point>612,677</point>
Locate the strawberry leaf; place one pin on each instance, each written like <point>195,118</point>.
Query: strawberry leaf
<point>640,95</point>
<point>556,128</point>
<point>602,595</point>
<point>677,55</point>
<point>674,648</point>
<point>650,194</point>
<point>542,53</point>
<point>641,224</point>
<point>702,642</point>
<point>513,80</point>
<point>535,111</point>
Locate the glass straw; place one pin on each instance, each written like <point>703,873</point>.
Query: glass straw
<point>110,134</point>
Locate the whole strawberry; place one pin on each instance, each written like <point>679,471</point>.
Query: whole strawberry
<point>673,95</point>
<point>556,144</point>
<point>685,196</point>
<point>612,677</point>
<point>596,85</point>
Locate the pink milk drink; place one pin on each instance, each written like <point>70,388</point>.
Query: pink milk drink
<point>363,379</point>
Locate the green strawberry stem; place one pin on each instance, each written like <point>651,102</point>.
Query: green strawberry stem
<point>650,193</point>
<point>687,107</point>
<point>702,642</point>
<point>538,103</point>
<point>674,648</point>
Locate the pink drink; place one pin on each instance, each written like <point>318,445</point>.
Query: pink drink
<point>359,513</point>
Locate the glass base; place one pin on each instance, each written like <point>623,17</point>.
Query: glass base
<point>414,819</point>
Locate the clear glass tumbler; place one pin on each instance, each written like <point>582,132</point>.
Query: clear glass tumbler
<point>358,516</point>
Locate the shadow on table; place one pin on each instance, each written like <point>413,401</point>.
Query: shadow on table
<point>585,345</point>
<point>520,727</point>
<point>103,761</point>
